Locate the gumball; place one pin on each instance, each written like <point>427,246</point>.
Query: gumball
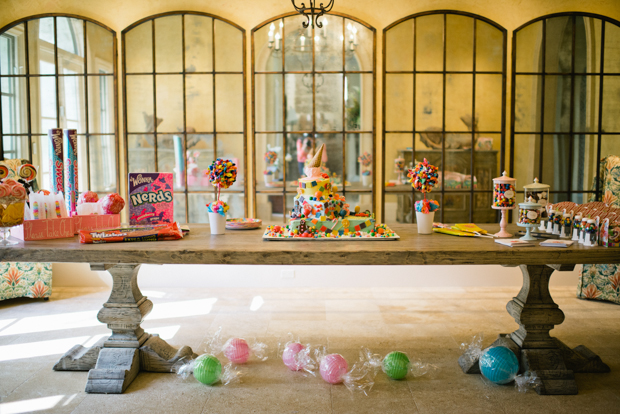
<point>207,369</point>
<point>237,350</point>
<point>333,367</point>
<point>318,194</point>
<point>357,209</point>
<point>395,365</point>
<point>88,197</point>
<point>290,354</point>
<point>112,204</point>
<point>499,365</point>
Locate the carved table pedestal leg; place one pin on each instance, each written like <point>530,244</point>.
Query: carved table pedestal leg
<point>536,313</point>
<point>115,361</point>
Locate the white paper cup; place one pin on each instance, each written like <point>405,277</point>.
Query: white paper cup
<point>217,223</point>
<point>366,180</point>
<point>425,222</point>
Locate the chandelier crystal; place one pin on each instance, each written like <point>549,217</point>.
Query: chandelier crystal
<point>313,12</point>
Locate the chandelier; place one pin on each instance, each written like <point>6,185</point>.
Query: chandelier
<point>313,12</point>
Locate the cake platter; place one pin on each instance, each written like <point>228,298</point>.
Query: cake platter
<point>243,223</point>
<point>284,235</point>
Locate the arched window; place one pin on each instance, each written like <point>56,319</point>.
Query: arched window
<point>566,100</point>
<point>444,100</point>
<point>184,92</point>
<point>59,71</point>
<point>312,86</point>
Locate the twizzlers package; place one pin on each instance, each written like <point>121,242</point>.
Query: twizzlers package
<point>150,198</point>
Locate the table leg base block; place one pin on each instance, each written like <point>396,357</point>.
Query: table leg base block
<point>470,365</point>
<point>156,355</point>
<point>555,378</point>
<point>80,358</point>
<point>581,360</point>
<point>116,368</point>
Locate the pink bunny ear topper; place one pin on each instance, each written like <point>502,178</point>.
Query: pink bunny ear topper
<point>237,350</point>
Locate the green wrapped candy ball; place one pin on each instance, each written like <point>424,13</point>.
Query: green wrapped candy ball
<point>396,365</point>
<point>207,369</point>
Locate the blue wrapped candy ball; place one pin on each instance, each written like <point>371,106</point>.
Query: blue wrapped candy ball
<point>499,365</point>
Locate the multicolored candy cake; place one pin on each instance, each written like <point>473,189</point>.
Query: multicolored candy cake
<point>319,211</point>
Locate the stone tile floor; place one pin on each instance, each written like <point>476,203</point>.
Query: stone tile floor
<point>426,323</point>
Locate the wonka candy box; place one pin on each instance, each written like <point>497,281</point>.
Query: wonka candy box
<point>150,198</point>
<point>610,233</point>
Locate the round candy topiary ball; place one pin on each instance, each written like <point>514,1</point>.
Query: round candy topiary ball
<point>499,365</point>
<point>395,365</point>
<point>207,369</point>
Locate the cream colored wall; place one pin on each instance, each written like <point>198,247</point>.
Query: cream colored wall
<point>118,14</point>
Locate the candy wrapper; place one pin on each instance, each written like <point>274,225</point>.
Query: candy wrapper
<point>207,369</point>
<point>170,231</point>
<point>473,349</point>
<point>237,350</point>
<point>222,173</point>
<point>218,207</point>
<point>56,155</point>
<point>334,369</point>
<point>397,365</point>
<point>297,356</point>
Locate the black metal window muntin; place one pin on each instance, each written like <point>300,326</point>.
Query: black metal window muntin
<point>444,72</point>
<point>572,133</point>
<point>343,133</point>
<point>56,75</point>
<point>214,132</point>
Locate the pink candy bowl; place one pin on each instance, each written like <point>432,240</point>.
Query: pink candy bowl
<point>289,356</point>
<point>333,367</point>
<point>237,351</point>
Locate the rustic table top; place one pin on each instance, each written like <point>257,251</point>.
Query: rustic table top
<point>247,247</point>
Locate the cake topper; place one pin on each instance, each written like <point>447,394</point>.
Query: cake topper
<point>313,169</point>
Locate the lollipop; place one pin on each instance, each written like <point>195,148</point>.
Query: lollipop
<point>423,177</point>
<point>112,204</point>
<point>222,173</point>
<point>365,159</point>
<point>28,172</point>
<point>271,157</point>
<point>4,172</point>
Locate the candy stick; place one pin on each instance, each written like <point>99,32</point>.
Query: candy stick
<point>71,170</point>
<point>57,177</point>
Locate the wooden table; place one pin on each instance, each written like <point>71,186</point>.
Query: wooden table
<point>115,361</point>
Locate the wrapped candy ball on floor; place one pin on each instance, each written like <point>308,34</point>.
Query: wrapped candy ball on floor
<point>499,365</point>
<point>297,356</point>
<point>237,350</point>
<point>207,369</point>
<point>396,364</point>
<point>333,368</point>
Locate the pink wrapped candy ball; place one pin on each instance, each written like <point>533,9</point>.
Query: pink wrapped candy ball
<point>333,367</point>
<point>290,352</point>
<point>237,351</point>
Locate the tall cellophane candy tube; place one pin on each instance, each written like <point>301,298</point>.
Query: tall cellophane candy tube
<point>71,170</point>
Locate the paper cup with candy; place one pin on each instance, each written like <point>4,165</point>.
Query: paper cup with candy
<point>423,178</point>
<point>217,216</point>
<point>207,369</point>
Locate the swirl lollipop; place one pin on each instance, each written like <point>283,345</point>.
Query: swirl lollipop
<point>365,159</point>
<point>222,173</point>
<point>28,172</point>
<point>4,172</point>
<point>271,157</point>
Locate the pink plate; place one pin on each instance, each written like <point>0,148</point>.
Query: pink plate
<point>243,223</point>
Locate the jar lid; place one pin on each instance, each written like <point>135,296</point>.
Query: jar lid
<point>528,205</point>
<point>504,179</point>
<point>536,186</point>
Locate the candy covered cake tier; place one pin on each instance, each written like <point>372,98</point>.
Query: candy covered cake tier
<point>319,212</point>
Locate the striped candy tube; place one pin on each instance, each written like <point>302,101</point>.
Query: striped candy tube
<point>333,367</point>
<point>71,170</point>
<point>237,350</point>
<point>57,174</point>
